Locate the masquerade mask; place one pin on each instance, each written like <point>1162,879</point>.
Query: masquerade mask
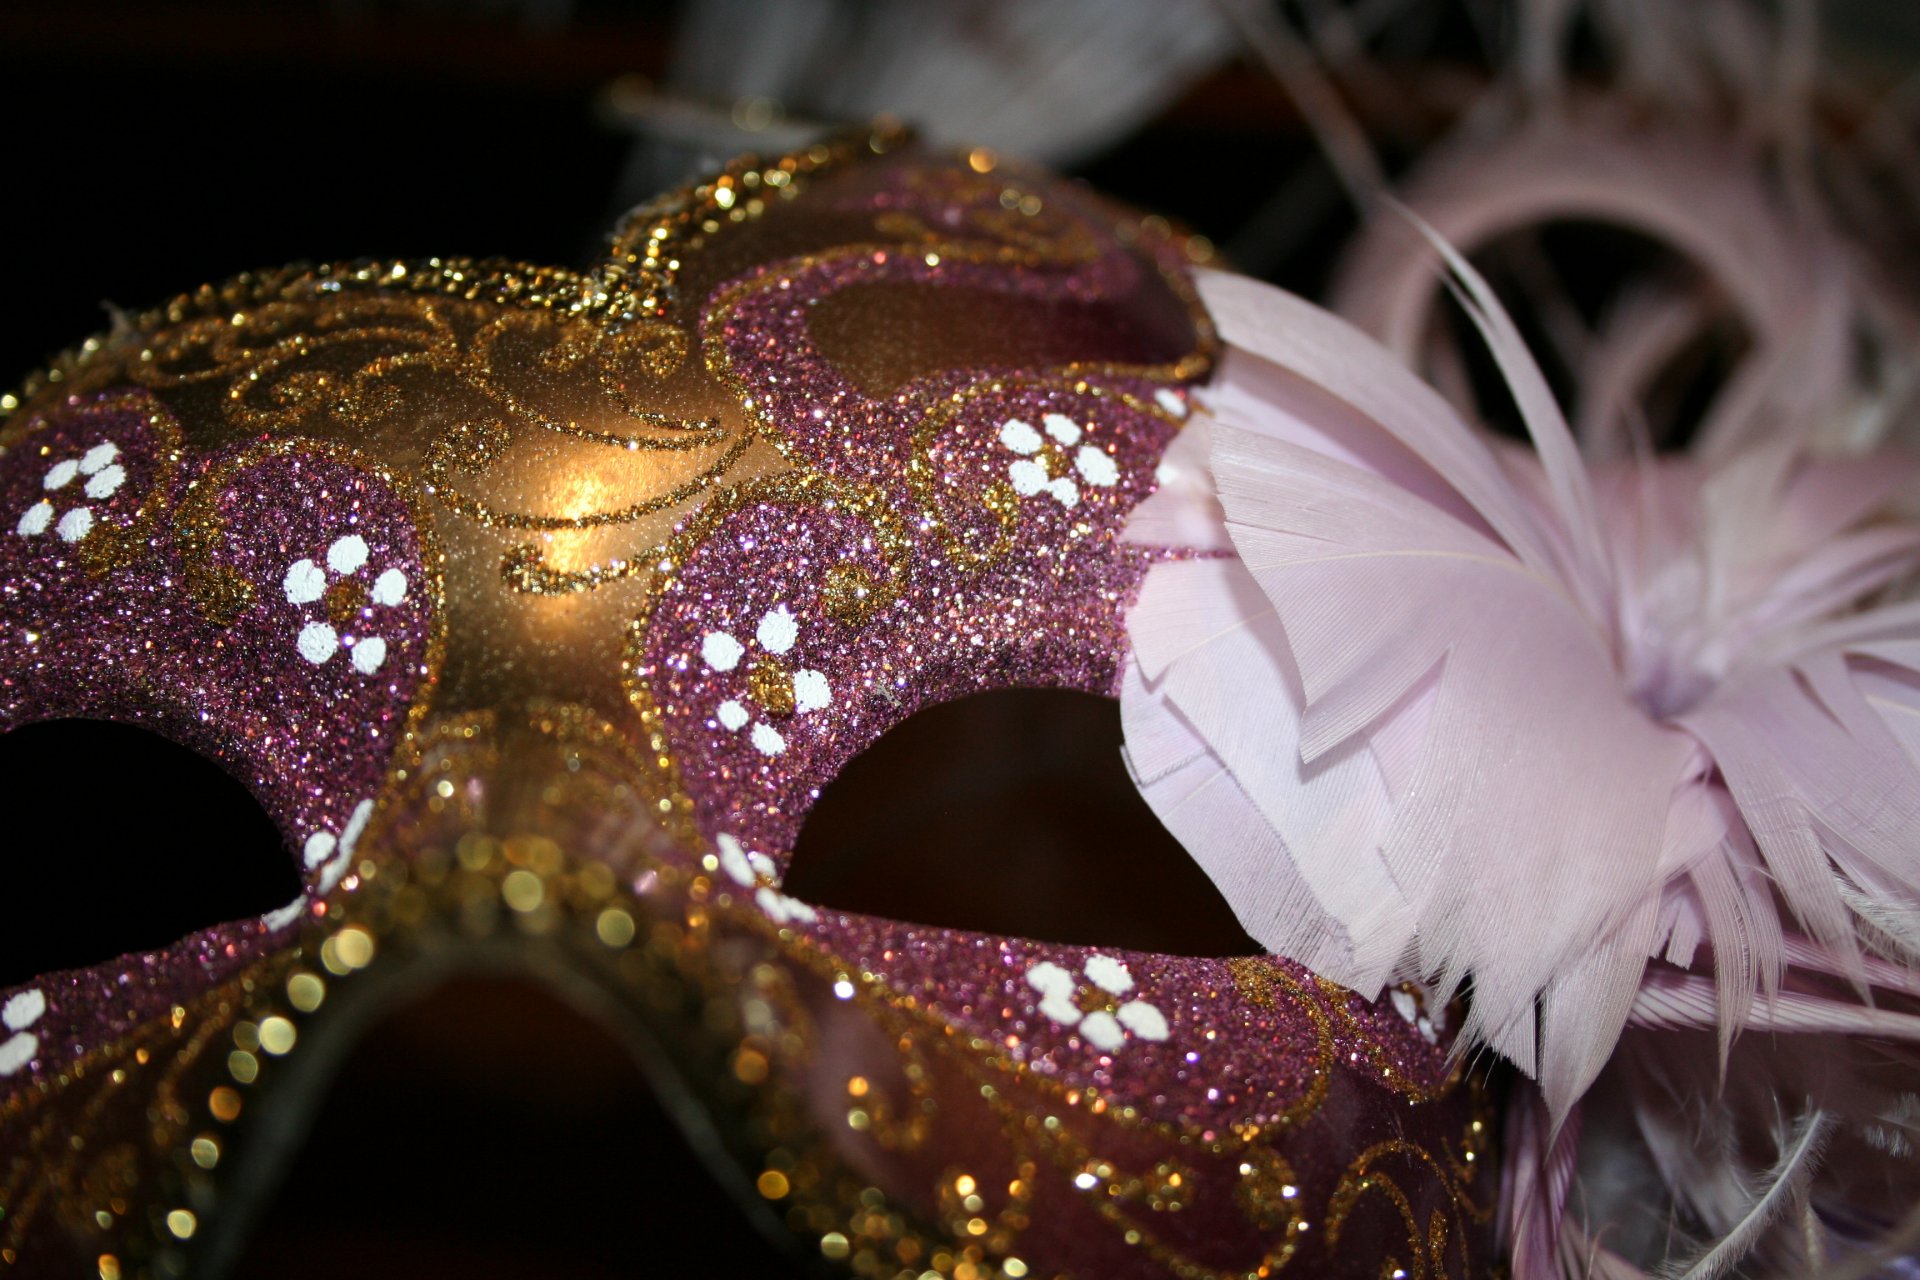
<point>537,606</point>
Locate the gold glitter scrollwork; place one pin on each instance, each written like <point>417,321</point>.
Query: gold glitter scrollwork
<point>1338,999</point>
<point>897,1126</point>
<point>1118,1195</point>
<point>994,1217</point>
<point>642,268</point>
<point>61,1161</point>
<point>612,358</point>
<point>1126,1200</point>
<point>1268,1193</point>
<point>1258,980</point>
<point>1017,229</point>
<point>285,364</point>
<point>1426,1242</point>
<point>637,279</point>
<point>1345,1196</point>
<point>357,361</point>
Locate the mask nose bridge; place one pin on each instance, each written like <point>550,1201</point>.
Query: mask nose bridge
<point>529,849</point>
<point>555,782</point>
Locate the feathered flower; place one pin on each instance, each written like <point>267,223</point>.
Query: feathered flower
<point>1634,743</point>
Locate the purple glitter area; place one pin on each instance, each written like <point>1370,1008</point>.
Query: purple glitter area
<point>1115,1180</point>
<point>1047,612</point>
<point>821,419</point>
<point>302,693</point>
<point>1181,1038</point>
<point>1014,487</point>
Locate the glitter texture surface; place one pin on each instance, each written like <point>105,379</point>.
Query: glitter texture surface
<point>536,606</point>
<point>110,626</point>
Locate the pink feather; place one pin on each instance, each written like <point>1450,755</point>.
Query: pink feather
<point>1460,713</point>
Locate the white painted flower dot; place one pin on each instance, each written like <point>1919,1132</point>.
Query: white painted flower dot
<point>98,457</point>
<point>1108,974</point>
<point>347,554</point>
<point>721,651</point>
<point>777,631</point>
<point>305,582</point>
<point>748,868</point>
<point>1019,436</point>
<point>318,849</point>
<point>35,521</point>
<point>328,854</point>
<point>1056,987</point>
<point>1059,991</point>
<point>18,1051</point>
<point>1408,1006</point>
<point>23,1009</point>
<point>1102,1030</point>
<point>331,874</point>
<point>1143,1019</point>
<point>105,479</point>
<point>317,642</point>
<point>390,588</point>
<point>75,525</point>
<point>1096,466</point>
<point>733,861</point>
<point>356,825</point>
<point>1027,477</point>
<point>368,654</point>
<point>104,483</point>
<point>1171,401</point>
<point>1047,977</point>
<point>1065,492</point>
<point>810,691</point>
<point>785,910</point>
<point>776,634</point>
<point>1062,428</point>
<point>280,917</point>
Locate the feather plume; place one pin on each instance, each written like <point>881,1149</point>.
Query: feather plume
<point>1782,1189</point>
<point>1510,718</point>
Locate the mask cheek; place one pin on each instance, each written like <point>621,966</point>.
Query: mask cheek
<point>271,608</point>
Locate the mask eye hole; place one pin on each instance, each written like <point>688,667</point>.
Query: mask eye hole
<point>118,841</point>
<point>1012,813</point>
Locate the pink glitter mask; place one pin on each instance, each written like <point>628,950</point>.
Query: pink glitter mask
<point>536,606</point>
